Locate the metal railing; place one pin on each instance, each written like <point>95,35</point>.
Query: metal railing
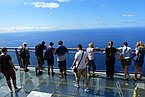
<point>99,59</point>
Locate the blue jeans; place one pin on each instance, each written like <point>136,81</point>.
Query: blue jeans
<point>92,64</point>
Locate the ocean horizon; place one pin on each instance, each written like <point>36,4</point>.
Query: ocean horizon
<point>71,38</point>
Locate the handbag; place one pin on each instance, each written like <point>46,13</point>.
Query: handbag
<point>120,57</point>
<point>135,57</point>
<point>75,68</point>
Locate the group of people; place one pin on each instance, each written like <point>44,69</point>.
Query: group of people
<point>127,55</point>
<point>60,51</point>
<point>82,60</point>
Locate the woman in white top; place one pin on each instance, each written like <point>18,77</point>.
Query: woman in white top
<point>90,51</point>
<point>126,61</point>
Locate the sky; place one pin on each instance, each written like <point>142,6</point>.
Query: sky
<point>44,15</point>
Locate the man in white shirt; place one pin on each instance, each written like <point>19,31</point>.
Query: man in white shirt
<point>81,60</point>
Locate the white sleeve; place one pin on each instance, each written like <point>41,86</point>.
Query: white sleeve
<point>120,48</point>
<point>76,56</point>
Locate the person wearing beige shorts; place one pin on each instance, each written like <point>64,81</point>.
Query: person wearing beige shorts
<point>80,61</point>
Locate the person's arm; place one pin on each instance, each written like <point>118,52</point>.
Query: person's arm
<point>66,50</point>
<point>74,63</point>
<point>97,48</point>
<point>137,52</point>
<point>104,52</point>
<point>55,52</point>
<point>11,63</point>
<point>115,51</point>
<point>75,60</point>
<point>87,61</point>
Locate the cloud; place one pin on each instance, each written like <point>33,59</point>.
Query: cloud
<point>63,1</point>
<point>24,29</point>
<point>128,15</point>
<point>98,18</point>
<point>49,5</point>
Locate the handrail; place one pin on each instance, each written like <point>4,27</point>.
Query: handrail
<point>32,49</point>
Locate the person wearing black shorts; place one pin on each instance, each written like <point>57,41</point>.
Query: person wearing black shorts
<point>61,58</point>
<point>8,70</point>
<point>50,57</point>
<point>126,61</point>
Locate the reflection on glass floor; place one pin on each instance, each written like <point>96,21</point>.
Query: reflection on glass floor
<point>56,87</point>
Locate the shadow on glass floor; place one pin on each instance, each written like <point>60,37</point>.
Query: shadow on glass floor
<point>99,86</point>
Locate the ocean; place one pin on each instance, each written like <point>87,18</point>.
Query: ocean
<point>71,38</point>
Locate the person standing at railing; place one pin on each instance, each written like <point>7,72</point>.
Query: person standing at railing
<point>8,69</point>
<point>139,60</point>
<point>50,57</point>
<point>90,51</point>
<point>61,58</point>
<point>80,62</point>
<point>126,59</point>
<point>39,55</point>
<point>25,56</point>
<point>110,52</point>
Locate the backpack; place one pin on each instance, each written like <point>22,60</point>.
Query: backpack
<point>48,54</point>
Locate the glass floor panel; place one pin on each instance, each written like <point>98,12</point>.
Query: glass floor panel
<point>98,86</point>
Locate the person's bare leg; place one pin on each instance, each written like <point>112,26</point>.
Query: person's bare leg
<point>39,67</point>
<point>52,69</point>
<point>9,84</point>
<point>141,72</point>
<point>78,80</point>
<point>25,67</point>
<point>136,72</point>
<point>14,83</point>
<point>48,68</point>
<point>126,71</point>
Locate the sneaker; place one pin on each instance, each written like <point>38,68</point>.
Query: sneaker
<point>26,70</point>
<point>76,85</point>
<point>86,90</point>
<point>10,91</point>
<point>48,73</point>
<point>60,76</point>
<point>40,72</point>
<point>18,89</point>
<point>53,73</point>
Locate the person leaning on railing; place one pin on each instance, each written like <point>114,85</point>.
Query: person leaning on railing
<point>110,52</point>
<point>139,61</point>
<point>126,59</point>
<point>25,56</point>
<point>90,50</point>
<point>8,69</point>
<point>39,55</point>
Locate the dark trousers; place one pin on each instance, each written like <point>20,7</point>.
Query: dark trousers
<point>110,67</point>
<point>92,64</point>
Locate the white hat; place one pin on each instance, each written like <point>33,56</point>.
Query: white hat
<point>24,43</point>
